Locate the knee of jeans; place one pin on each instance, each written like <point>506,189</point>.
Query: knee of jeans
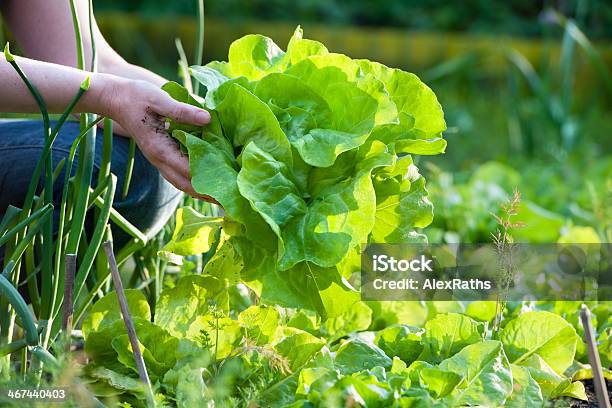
<point>151,200</point>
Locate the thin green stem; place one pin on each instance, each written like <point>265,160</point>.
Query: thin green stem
<point>77,34</point>
<point>199,57</point>
<point>12,347</point>
<point>96,240</point>
<point>183,65</point>
<point>19,305</point>
<point>129,169</point>
<point>63,205</point>
<point>24,223</point>
<point>107,151</point>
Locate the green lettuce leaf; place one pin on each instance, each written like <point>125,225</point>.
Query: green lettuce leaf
<point>193,232</point>
<point>543,333</point>
<point>439,382</point>
<point>186,309</point>
<point>299,347</point>
<point>106,312</point>
<point>260,323</point>
<point>402,341</point>
<point>526,391</point>
<point>447,334</point>
<point>486,373</point>
<point>357,318</point>
<point>356,355</point>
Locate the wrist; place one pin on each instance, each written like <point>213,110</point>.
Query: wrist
<point>104,96</point>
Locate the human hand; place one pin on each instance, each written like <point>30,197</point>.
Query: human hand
<point>141,109</point>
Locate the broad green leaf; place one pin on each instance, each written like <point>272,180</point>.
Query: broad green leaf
<point>299,348</point>
<point>414,369</point>
<point>526,391</point>
<point>260,323</point>
<point>327,292</point>
<point>574,390</point>
<point>193,233</point>
<point>190,387</point>
<point>439,382</point>
<point>185,381</point>
<point>224,333</point>
<point>180,93</point>
<point>356,355</point>
<point>310,120</point>
<point>402,341</point>
<point>186,309</point>
<point>226,264</point>
<point>300,48</point>
<point>214,175</point>
<point>481,310</point>
<point>304,320</point>
<point>579,372</point>
<point>105,312</point>
<point>437,307</point>
<point>333,224</point>
<point>209,77</point>
<point>542,333</point>
<point>312,381</point>
<point>419,398</point>
<point>156,344</point>
<point>399,214</point>
<point>447,334</point>
<point>388,313</point>
<point>361,389</point>
<point>98,346</point>
<point>387,111</point>
<point>253,56</point>
<point>411,96</point>
<point>357,318</point>
<point>118,381</point>
<point>245,118</point>
<point>351,117</point>
<point>487,377</point>
<point>552,384</point>
<point>270,187</point>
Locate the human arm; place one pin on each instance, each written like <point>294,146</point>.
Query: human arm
<point>138,106</point>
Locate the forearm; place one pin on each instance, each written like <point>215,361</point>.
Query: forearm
<point>109,62</point>
<point>57,85</point>
<point>130,71</point>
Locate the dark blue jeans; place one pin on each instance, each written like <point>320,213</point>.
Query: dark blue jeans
<point>151,199</point>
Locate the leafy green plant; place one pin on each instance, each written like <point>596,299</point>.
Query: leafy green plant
<point>280,357</point>
<point>309,153</point>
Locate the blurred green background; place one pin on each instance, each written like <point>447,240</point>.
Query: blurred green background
<point>526,88</point>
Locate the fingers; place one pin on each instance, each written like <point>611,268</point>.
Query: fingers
<point>182,112</point>
<point>173,165</point>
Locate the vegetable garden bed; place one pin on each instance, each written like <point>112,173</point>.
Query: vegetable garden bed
<point>311,154</point>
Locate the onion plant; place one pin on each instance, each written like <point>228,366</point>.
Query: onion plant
<point>34,246</point>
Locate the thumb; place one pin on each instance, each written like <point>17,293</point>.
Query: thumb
<point>183,112</point>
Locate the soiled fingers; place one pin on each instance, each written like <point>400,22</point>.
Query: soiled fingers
<point>174,165</point>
